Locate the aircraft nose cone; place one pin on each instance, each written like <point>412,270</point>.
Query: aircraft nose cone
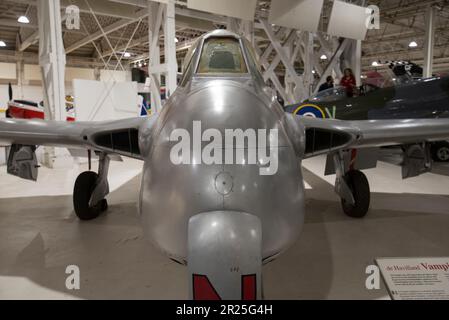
<point>224,183</point>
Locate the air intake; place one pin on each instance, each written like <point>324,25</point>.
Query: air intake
<point>125,140</point>
<point>320,141</point>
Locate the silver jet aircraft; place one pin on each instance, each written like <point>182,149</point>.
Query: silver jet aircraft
<point>222,190</point>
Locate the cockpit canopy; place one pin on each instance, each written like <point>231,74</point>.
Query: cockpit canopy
<point>221,53</point>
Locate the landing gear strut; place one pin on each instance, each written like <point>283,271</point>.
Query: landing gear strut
<point>90,190</point>
<point>353,188</point>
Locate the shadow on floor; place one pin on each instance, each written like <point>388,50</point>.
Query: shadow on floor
<point>40,236</point>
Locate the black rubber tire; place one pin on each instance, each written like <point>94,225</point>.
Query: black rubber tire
<point>103,205</point>
<point>440,151</point>
<point>84,186</point>
<point>359,185</point>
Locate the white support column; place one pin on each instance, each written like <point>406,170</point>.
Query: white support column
<point>358,62</point>
<point>333,65</point>
<point>52,58</point>
<point>170,48</point>
<point>309,63</point>
<point>353,58</point>
<point>233,25</point>
<point>155,11</point>
<point>162,15</point>
<point>20,76</point>
<point>247,30</point>
<point>52,62</point>
<point>429,42</point>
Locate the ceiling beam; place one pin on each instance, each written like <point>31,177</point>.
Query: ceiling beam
<point>29,41</point>
<point>111,28</point>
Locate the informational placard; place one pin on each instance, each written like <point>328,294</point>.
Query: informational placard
<point>416,278</point>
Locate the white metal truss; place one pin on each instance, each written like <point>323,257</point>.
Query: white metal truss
<point>333,66</point>
<point>299,92</point>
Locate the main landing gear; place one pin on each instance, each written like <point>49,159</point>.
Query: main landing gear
<point>440,151</point>
<point>353,188</point>
<point>90,190</point>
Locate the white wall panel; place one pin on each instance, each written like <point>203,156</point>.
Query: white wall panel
<point>79,73</point>
<point>8,71</point>
<point>98,100</point>
<point>32,72</point>
<point>117,75</point>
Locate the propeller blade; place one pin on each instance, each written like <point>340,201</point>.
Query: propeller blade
<point>10,91</point>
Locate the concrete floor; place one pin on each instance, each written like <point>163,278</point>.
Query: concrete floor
<point>40,236</point>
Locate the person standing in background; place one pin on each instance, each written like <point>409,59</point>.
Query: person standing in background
<point>327,85</point>
<point>348,81</point>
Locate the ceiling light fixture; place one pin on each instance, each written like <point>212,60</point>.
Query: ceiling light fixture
<point>127,54</point>
<point>323,57</point>
<point>176,40</point>
<point>23,19</point>
<point>375,64</point>
<point>413,44</point>
<point>2,43</point>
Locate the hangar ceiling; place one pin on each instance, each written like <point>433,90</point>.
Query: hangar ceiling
<point>402,21</point>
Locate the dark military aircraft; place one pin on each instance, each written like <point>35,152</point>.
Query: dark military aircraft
<point>414,99</point>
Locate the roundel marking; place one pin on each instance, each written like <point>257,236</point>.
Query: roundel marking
<point>310,110</point>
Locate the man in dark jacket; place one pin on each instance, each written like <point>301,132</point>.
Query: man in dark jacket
<point>327,85</point>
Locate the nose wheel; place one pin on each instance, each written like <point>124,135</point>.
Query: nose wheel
<point>359,187</point>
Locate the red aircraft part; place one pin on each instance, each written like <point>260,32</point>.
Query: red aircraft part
<point>21,111</point>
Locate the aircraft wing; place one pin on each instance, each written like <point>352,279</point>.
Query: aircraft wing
<point>327,135</point>
<point>116,137</point>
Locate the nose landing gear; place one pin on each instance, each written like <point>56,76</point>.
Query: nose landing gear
<point>89,191</point>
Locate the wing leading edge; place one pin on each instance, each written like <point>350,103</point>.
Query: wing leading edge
<point>326,135</point>
<point>118,137</point>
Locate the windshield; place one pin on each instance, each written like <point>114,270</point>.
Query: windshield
<point>221,55</point>
<point>331,94</point>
